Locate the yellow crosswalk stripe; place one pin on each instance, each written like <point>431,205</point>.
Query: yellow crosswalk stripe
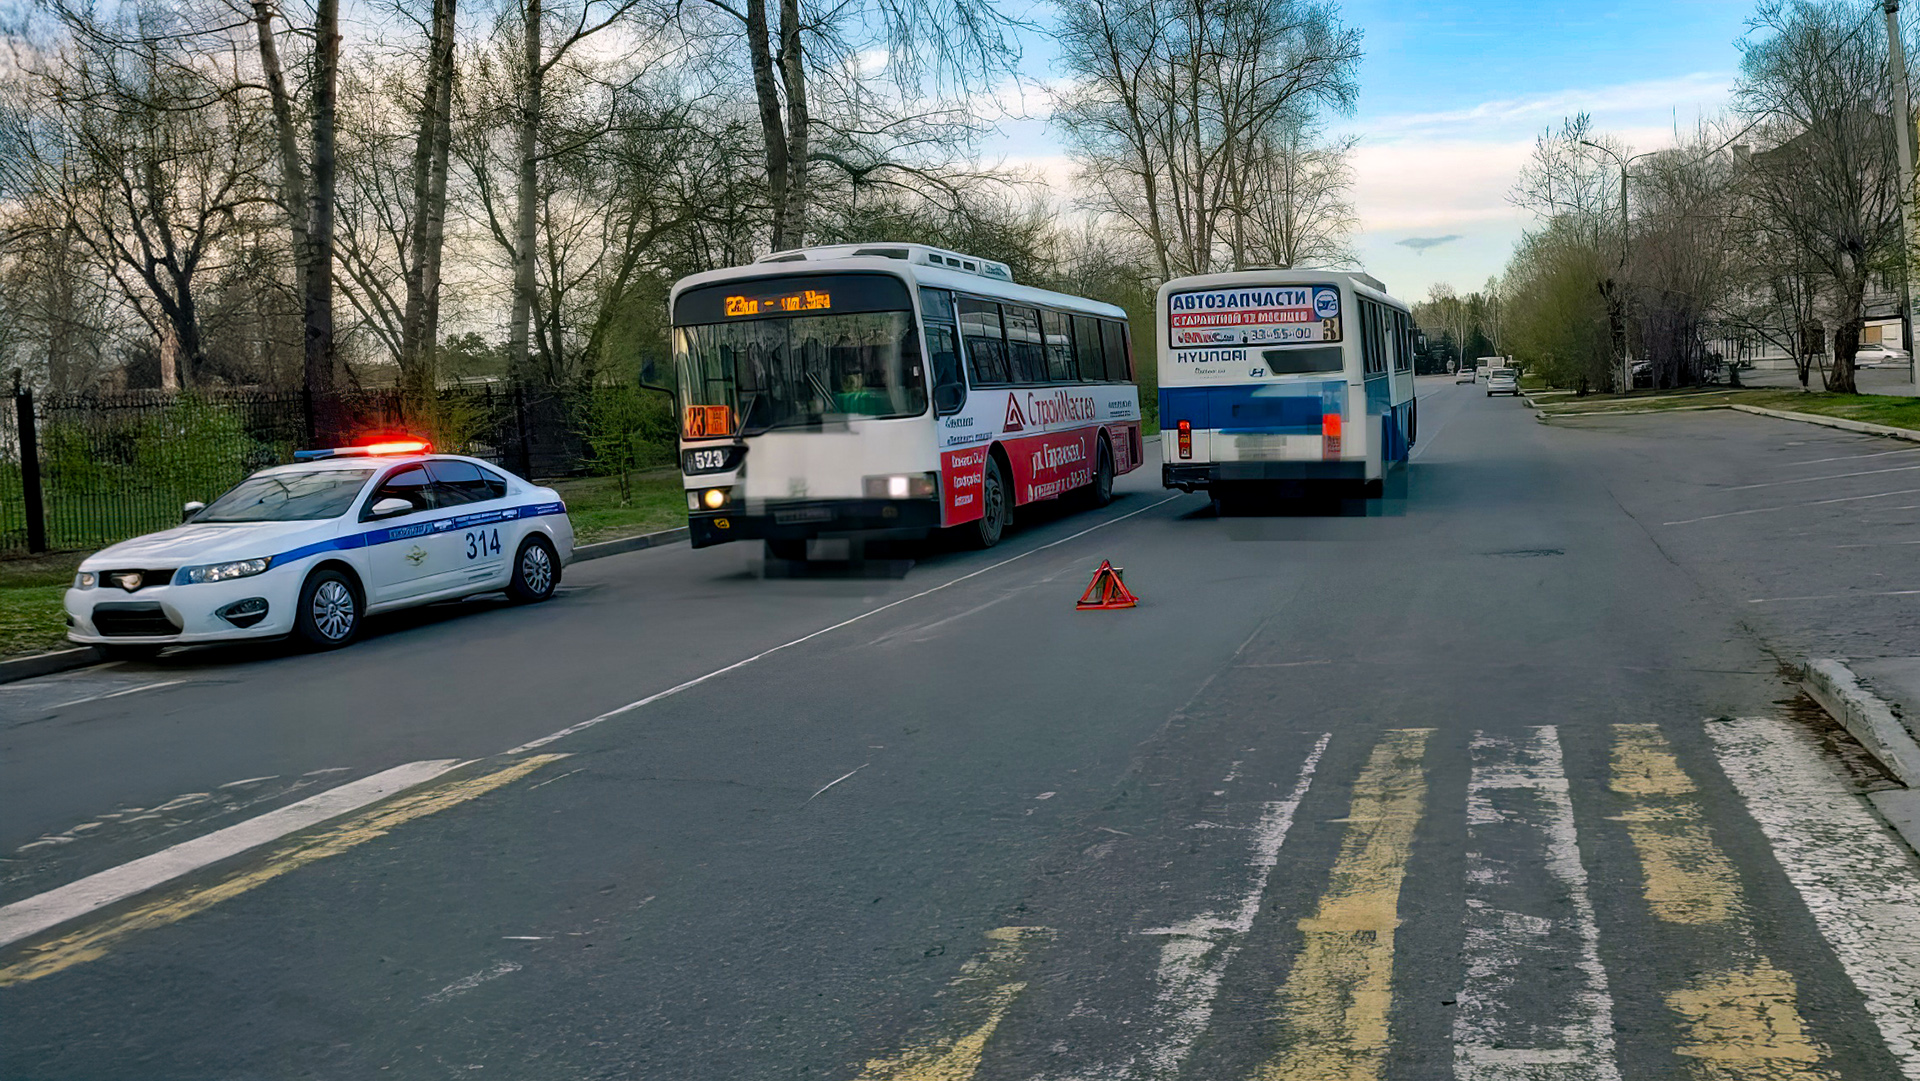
<point>1743,1022</point>
<point>1335,1004</point>
<point>92,942</point>
<point>985,988</point>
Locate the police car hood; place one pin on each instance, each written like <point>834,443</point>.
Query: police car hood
<point>208,542</point>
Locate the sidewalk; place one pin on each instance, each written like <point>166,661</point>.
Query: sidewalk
<point>1878,700</point>
<point>1867,380</point>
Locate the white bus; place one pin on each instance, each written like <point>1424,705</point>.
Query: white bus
<point>852,391</point>
<point>1280,376</point>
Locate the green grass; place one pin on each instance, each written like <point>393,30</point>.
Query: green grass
<point>1894,411</point>
<point>31,617</point>
<point>659,502</point>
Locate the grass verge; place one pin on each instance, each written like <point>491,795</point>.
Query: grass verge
<point>658,502</point>
<point>1894,411</point>
<point>31,616</point>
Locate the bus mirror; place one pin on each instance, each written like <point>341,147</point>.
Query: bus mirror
<point>948,398</point>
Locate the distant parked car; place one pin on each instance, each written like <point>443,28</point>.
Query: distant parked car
<point>1503,381</point>
<point>1880,356</point>
<point>1464,375</point>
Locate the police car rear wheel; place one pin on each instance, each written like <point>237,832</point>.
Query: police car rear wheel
<point>535,572</point>
<point>329,614</point>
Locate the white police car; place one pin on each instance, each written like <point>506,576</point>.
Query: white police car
<point>311,549</point>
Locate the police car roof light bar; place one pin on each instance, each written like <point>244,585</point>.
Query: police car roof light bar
<point>413,446</point>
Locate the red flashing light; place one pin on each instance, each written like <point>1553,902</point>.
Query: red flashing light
<point>1186,439</point>
<point>410,446</point>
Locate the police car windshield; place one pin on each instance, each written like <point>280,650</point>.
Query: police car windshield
<point>306,495</point>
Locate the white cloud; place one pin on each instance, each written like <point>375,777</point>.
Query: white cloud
<point>1626,102</point>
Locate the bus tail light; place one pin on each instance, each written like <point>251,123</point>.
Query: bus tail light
<point>1186,439</point>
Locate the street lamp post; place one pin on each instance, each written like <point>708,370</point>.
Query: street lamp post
<point>1903,143</point>
<point>1626,355</point>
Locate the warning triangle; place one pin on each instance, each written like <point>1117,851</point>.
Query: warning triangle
<point>1107,590</point>
<point>1015,422</point>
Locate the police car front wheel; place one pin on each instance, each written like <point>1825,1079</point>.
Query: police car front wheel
<point>329,614</point>
<point>535,571</point>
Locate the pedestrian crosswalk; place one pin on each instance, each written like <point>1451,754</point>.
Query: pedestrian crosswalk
<point>1547,966</point>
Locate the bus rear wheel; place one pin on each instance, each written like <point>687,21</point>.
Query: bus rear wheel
<point>996,509</point>
<point>1100,493</point>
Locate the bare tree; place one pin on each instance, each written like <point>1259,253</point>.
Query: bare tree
<point>1174,101</point>
<point>1299,210</point>
<point>1826,183</point>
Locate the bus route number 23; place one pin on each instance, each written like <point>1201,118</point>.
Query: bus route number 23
<point>482,543</point>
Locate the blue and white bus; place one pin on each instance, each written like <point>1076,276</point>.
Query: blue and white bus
<point>1275,377</point>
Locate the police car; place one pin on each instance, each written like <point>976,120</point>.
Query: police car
<point>311,549</point>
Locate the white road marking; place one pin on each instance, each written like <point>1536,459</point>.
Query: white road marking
<point>1810,480</point>
<point>117,694</point>
<point>1791,506</point>
<point>462,986</point>
<point>1862,887</point>
<point>1853,457</point>
<point>1197,952</point>
<point>1523,1015</point>
<point>838,779</point>
<point>718,672</point>
<point>1878,544</point>
<point>42,911</point>
<point>1835,596</point>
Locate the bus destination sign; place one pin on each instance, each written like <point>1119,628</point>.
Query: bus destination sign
<point>806,300</point>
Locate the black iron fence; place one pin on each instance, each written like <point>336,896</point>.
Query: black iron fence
<point>83,471</point>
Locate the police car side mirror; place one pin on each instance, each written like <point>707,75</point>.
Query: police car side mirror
<point>187,512</point>
<point>387,508</point>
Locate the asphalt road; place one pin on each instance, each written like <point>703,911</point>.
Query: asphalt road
<point>1499,780</point>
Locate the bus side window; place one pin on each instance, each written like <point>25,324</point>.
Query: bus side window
<point>936,305</point>
<point>1113,343</point>
<point>1026,358</point>
<point>949,389</point>
<point>1086,348</point>
<point>1059,334</point>
<point>986,344</point>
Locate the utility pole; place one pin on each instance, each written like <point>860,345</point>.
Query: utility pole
<point>1626,352</point>
<point>1903,142</point>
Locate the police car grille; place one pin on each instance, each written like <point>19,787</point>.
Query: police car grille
<point>131,620</point>
<point>148,577</point>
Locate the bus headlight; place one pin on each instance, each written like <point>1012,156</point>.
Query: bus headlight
<point>902,486</point>
<point>714,498</point>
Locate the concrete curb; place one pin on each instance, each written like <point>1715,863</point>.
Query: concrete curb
<point>45,664</point>
<point>1831,422</point>
<point>1866,716</point>
<point>602,549</point>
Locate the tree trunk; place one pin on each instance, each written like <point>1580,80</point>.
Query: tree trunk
<point>771,128</point>
<point>793,73</point>
<point>419,329</point>
<point>319,293</point>
<point>293,180</point>
<point>523,253</point>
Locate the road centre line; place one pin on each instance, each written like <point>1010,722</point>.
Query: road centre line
<point>1834,596</point>
<point>718,672</point>
<point>1859,884</point>
<point>93,942</point>
<point>1521,846</point>
<point>22,919</point>
<point>1198,952</point>
<point>117,694</point>
<point>1810,480</point>
<point>1336,1004</point>
<point>1791,506</point>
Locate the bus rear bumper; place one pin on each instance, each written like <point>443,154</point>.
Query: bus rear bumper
<point>1204,475</point>
<point>808,519</point>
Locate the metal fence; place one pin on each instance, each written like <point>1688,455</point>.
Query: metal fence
<point>85,471</point>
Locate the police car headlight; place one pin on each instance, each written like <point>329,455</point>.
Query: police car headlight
<point>84,580</point>
<point>225,572</point>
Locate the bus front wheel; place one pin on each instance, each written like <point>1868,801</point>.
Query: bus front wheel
<point>996,508</point>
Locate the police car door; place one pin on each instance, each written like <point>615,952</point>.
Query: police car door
<point>484,532</point>
<point>404,552</point>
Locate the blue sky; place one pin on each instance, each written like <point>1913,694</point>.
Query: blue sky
<point>1452,95</point>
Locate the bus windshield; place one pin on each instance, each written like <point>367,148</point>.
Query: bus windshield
<point>786,372</point>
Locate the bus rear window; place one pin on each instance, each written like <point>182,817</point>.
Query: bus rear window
<point>1308,361</point>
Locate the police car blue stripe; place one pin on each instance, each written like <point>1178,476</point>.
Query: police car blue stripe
<point>420,529</point>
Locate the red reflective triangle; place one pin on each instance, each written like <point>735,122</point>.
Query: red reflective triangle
<point>1106,590</point>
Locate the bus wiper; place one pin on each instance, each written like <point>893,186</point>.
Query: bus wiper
<point>826,396</point>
